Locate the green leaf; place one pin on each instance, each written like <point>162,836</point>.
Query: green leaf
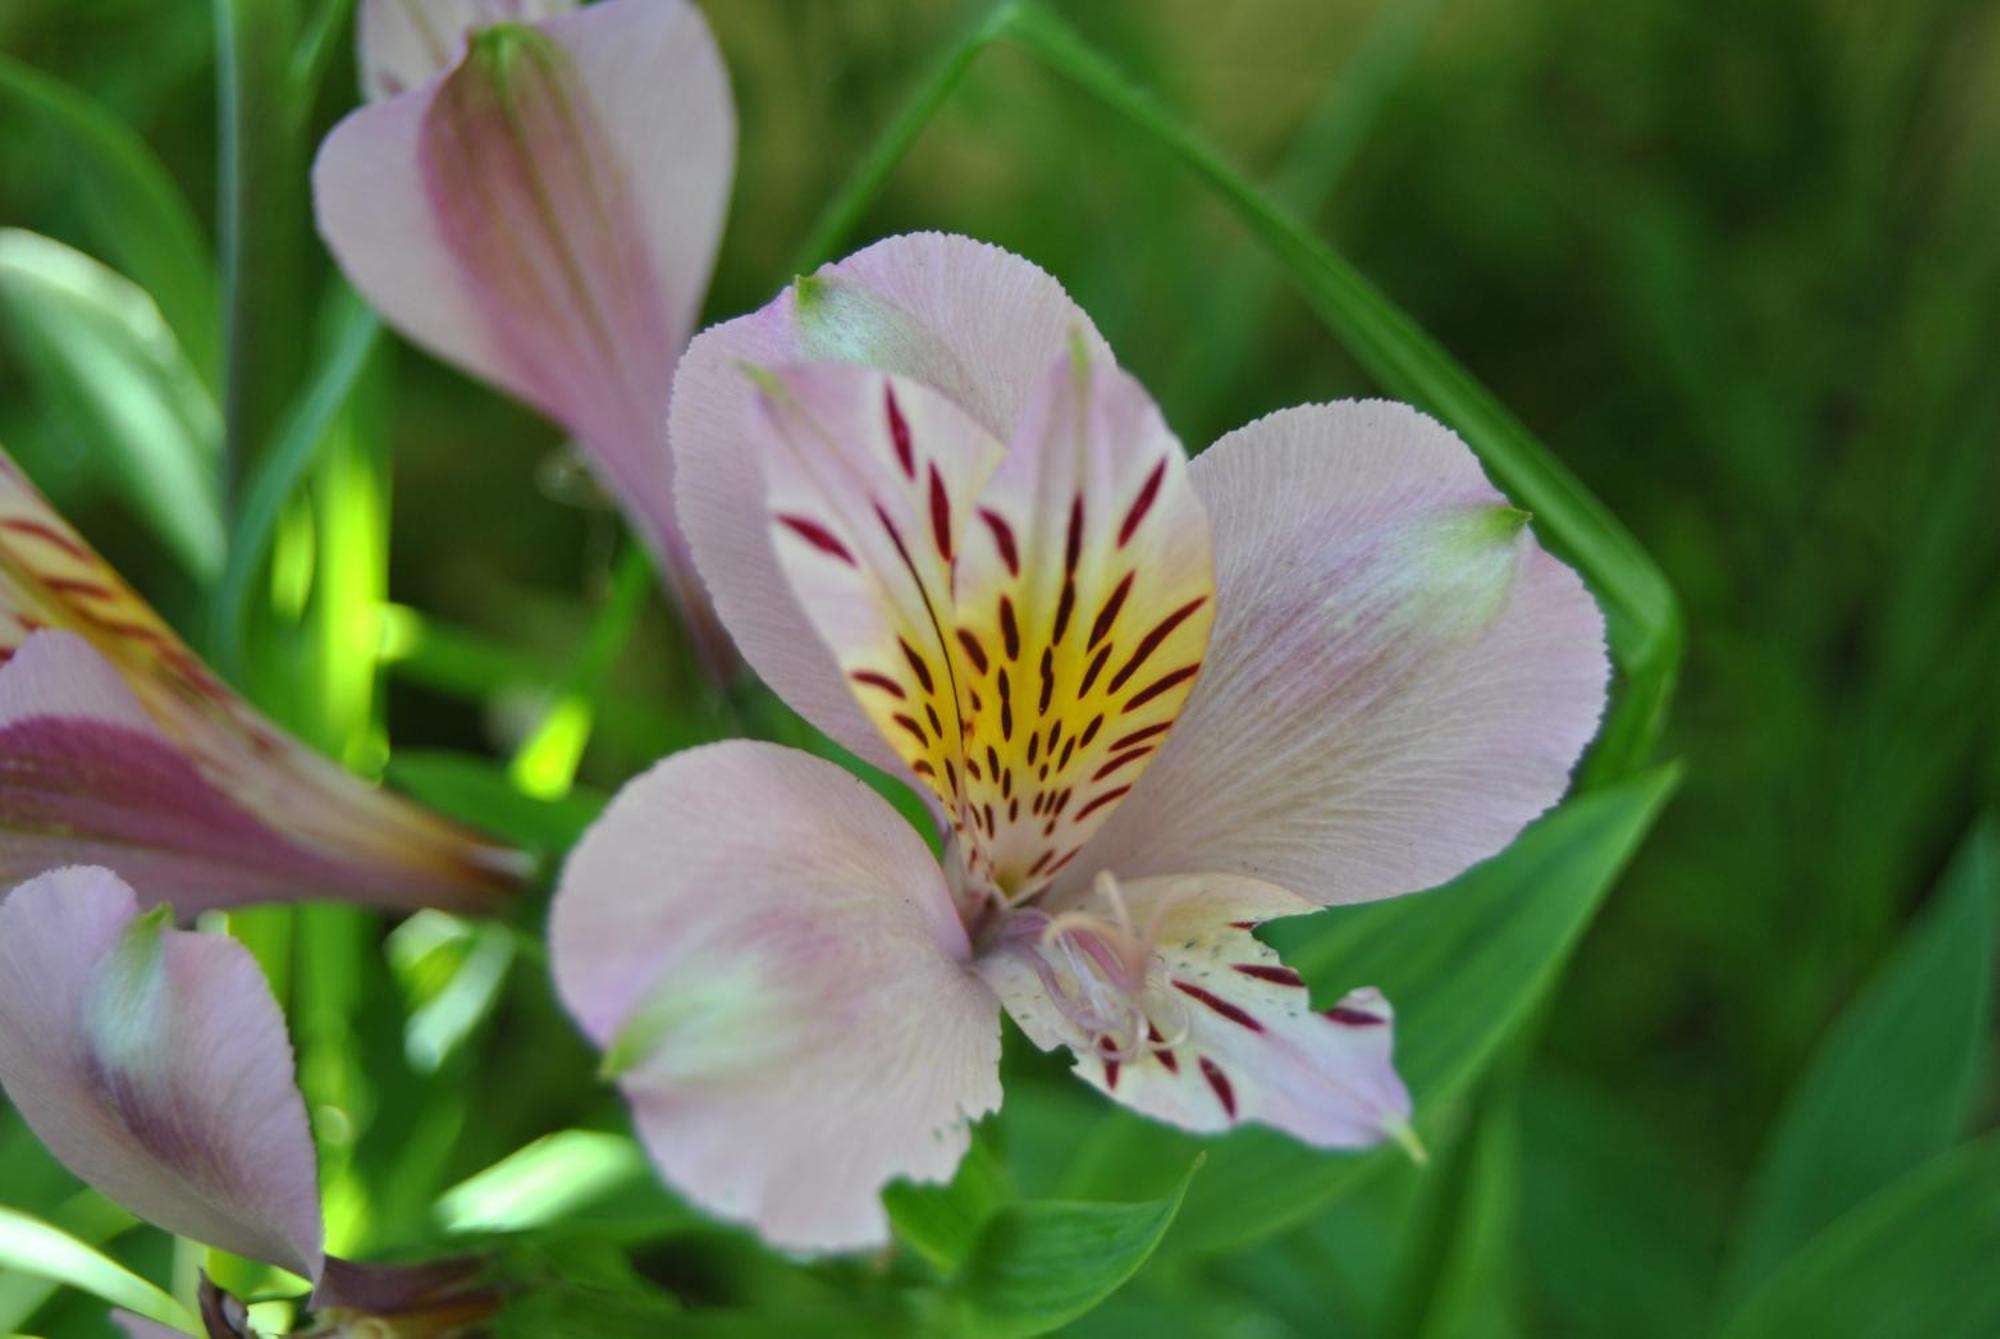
<point>942,1223</point>
<point>1041,1264</point>
<point>33,1247</point>
<point>1465,966</point>
<point>478,791</point>
<point>1917,1259</point>
<point>136,212</point>
<point>575,1179</point>
<point>1896,1080</point>
<point>103,360</point>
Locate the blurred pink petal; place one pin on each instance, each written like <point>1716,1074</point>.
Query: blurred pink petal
<point>771,959</point>
<point>1399,679</point>
<point>546,217</point>
<point>973,322</point>
<point>1174,1008</point>
<point>138,1327</point>
<point>403,43</point>
<point>119,747</point>
<point>155,1064</point>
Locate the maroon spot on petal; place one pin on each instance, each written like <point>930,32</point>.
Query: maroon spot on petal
<point>1141,736</point>
<point>1122,760</point>
<point>917,666</point>
<point>86,589</point>
<point>1220,1082</point>
<point>1074,853</point>
<point>1065,606</point>
<point>1073,545</point>
<point>1010,631</point>
<point>1034,746</point>
<point>1217,1003</point>
<point>937,726</point>
<point>951,776</point>
<point>899,431</point>
<point>1068,749</point>
<point>972,769</point>
<point>1280,975</point>
<point>923,768</point>
<point>48,534</point>
<point>1142,504</point>
<point>1041,863</point>
<point>1090,732</point>
<point>1151,641</point>
<point>1107,797</point>
<point>973,650</point>
<point>909,723</point>
<point>1048,679</point>
<point>940,514</point>
<point>1096,668</point>
<point>817,535</point>
<point>1164,683</point>
<point>1007,709</point>
<point>1161,1048</point>
<point>1340,1013</point>
<point>991,826</point>
<point>1014,809</point>
<point>1003,540</point>
<point>881,681</point>
<point>1108,615</point>
<point>1244,925</point>
<point>992,761</point>
<point>1111,1075</point>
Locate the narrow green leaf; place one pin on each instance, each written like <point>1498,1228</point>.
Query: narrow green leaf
<point>1465,966</point>
<point>477,790</point>
<point>103,361</point>
<point>1917,1259</point>
<point>33,1247</point>
<point>1895,1081</point>
<point>574,1178</point>
<point>280,472</point>
<point>137,214</point>
<point>1040,1265</point>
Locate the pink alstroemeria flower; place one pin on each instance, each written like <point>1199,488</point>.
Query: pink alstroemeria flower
<point>119,747</point>
<point>537,197</point>
<point>154,1063</point>
<point>1152,703</point>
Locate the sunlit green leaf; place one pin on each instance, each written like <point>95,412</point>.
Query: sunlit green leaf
<point>33,1247</point>
<point>942,1223</point>
<point>1895,1081</point>
<point>105,363</point>
<point>478,791</point>
<point>575,1178</point>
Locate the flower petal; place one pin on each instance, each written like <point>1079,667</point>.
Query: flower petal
<point>1399,679</point>
<point>975,323</point>
<point>772,960</point>
<point>1083,604</point>
<point>116,733</point>
<point>155,1064</point>
<point>546,216</point>
<point>869,488</point>
<point>402,43</point>
<point>1227,1034</point>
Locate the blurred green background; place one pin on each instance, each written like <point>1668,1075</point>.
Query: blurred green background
<point>1736,264</point>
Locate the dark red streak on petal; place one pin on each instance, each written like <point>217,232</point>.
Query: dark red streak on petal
<point>1106,798</point>
<point>1280,975</point>
<point>817,535</point>
<point>881,681</point>
<point>940,514</point>
<point>1003,540</point>
<point>91,590</point>
<point>1217,1003</point>
<point>1122,760</point>
<point>1096,668</point>
<point>1151,641</point>
<point>1354,1017</point>
<point>1073,546</point>
<point>1064,608</point>
<point>48,534</point>
<point>1141,736</point>
<point>917,665</point>
<point>1164,684</point>
<point>1220,1082</point>
<point>899,432</point>
<point>973,650</point>
<point>1108,615</point>
<point>1142,504</point>
<point>909,723</point>
<point>1010,631</point>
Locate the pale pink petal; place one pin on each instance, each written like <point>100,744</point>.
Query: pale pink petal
<point>1219,1033</point>
<point>976,323</point>
<point>122,748</point>
<point>155,1064</point>
<point>402,43</point>
<point>1083,603</point>
<point>546,216</point>
<point>1399,679</point>
<point>771,958</point>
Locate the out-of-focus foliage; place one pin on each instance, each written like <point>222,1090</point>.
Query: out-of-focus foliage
<point>1733,264</point>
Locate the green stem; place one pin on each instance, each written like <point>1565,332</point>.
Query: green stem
<point>263,225</point>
